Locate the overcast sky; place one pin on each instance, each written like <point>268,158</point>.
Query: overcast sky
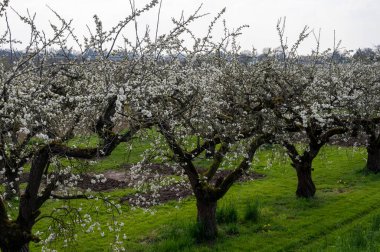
<point>356,22</point>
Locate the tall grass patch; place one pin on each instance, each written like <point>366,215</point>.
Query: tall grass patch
<point>252,210</point>
<point>227,213</point>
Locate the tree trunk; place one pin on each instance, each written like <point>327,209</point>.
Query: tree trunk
<point>14,238</point>
<point>18,248</point>
<point>24,248</point>
<point>207,219</point>
<point>373,161</point>
<point>305,187</point>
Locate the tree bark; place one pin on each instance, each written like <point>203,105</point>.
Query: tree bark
<point>207,219</point>
<point>210,151</point>
<point>16,235</point>
<point>373,160</point>
<point>14,238</point>
<point>305,187</point>
<point>20,248</point>
<point>302,165</point>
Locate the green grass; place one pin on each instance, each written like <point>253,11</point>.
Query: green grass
<point>124,153</point>
<point>346,203</point>
<point>227,213</point>
<point>252,211</point>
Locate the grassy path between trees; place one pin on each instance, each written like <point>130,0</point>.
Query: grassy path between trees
<point>346,203</point>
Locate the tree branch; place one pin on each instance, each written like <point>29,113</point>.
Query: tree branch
<point>244,165</point>
<point>218,158</point>
<point>184,159</point>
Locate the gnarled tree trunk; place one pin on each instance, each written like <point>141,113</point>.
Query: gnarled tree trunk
<point>207,219</point>
<point>14,247</point>
<point>14,237</point>
<point>373,161</point>
<point>305,187</point>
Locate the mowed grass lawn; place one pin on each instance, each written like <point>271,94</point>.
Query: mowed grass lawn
<point>343,216</point>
